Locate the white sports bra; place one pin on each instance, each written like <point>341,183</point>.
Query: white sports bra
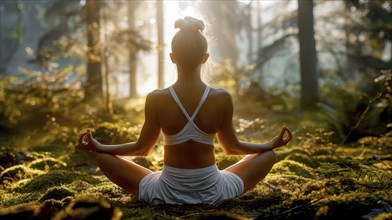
<point>190,131</point>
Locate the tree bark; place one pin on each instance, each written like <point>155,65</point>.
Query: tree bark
<point>307,55</point>
<point>106,72</point>
<point>94,57</point>
<point>161,46</point>
<point>132,52</point>
<point>249,33</point>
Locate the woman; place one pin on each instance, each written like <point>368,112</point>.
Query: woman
<point>190,114</point>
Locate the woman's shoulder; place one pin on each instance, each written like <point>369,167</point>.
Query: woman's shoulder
<point>220,95</point>
<point>219,92</point>
<point>157,96</point>
<point>158,93</point>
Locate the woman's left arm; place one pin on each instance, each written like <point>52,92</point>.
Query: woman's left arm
<point>146,141</point>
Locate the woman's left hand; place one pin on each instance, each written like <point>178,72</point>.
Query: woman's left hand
<point>281,139</point>
<point>91,143</point>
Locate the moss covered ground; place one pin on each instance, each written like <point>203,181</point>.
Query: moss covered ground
<point>311,180</point>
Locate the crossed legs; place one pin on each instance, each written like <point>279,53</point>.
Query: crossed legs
<point>253,168</point>
<point>127,174</point>
<point>123,172</point>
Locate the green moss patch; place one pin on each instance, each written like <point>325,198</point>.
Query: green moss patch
<point>56,193</point>
<point>47,163</point>
<point>224,161</point>
<point>293,167</point>
<point>55,178</point>
<point>18,172</point>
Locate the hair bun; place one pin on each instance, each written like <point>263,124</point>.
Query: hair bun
<point>189,24</point>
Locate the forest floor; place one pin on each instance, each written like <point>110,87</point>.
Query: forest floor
<point>313,179</point>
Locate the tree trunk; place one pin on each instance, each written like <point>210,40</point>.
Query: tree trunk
<point>161,46</point>
<point>94,57</point>
<point>249,33</point>
<point>259,28</point>
<point>106,72</point>
<point>351,67</point>
<point>307,55</point>
<point>259,40</point>
<point>132,52</point>
<point>12,33</point>
<point>108,98</point>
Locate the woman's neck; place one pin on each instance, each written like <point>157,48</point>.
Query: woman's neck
<point>189,76</point>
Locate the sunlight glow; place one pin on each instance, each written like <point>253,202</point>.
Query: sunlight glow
<point>190,11</point>
<point>244,1</point>
<point>172,12</point>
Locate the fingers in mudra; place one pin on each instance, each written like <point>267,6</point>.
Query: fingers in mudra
<point>82,142</point>
<point>283,138</point>
<point>86,144</point>
<point>288,136</point>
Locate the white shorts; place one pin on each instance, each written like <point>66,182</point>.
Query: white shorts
<point>190,186</point>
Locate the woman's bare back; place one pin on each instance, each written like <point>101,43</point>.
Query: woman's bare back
<point>190,154</point>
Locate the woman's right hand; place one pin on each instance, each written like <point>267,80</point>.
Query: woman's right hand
<point>282,139</point>
<point>91,143</point>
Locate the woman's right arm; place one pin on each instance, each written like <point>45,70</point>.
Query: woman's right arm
<point>228,139</point>
<point>146,141</point>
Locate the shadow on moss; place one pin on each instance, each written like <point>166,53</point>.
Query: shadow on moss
<point>85,207</point>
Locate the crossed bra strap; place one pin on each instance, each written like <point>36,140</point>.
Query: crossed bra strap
<point>190,131</point>
<point>203,98</point>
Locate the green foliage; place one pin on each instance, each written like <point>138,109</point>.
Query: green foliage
<point>39,98</point>
<point>226,75</point>
<point>372,20</point>
<point>50,107</point>
<point>246,89</point>
<point>11,30</point>
<point>352,113</point>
